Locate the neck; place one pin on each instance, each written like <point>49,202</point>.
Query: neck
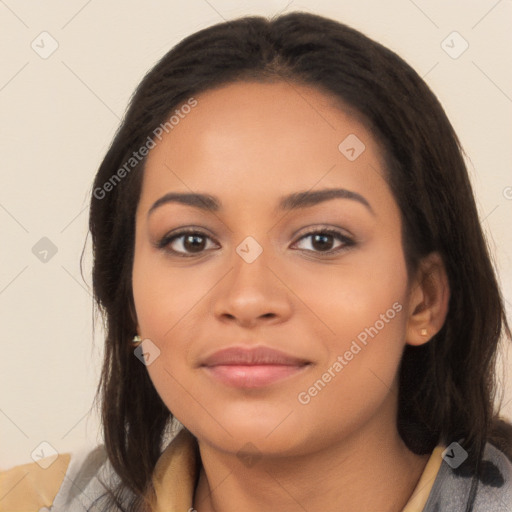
<point>371,469</point>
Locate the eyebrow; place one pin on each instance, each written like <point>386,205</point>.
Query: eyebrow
<point>295,201</point>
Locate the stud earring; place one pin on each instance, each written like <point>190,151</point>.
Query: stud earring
<point>136,339</point>
<point>424,332</point>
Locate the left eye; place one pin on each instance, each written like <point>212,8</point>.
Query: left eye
<point>323,240</point>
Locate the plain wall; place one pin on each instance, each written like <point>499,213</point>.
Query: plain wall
<point>58,117</point>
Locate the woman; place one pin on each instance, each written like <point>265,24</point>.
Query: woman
<point>290,263</point>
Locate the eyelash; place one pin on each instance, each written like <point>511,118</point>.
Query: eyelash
<point>168,239</point>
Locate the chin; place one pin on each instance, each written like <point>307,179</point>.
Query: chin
<point>270,434</point>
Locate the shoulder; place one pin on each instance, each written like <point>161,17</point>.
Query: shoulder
<point>33,485</point>
<point>496,484</point>
<point>453,482</point>
<point>37,486</point>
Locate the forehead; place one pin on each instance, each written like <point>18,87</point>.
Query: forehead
<point>261,140</point>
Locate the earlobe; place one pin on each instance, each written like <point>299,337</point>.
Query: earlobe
<point>428,300</point>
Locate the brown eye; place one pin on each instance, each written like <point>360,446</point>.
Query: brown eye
<point>185,243</point>
<point>322,241</point>
<point>194,243</point>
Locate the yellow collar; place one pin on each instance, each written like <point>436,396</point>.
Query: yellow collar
<point>176,471</point>
<point>175,475</point>
<point>422,490</point>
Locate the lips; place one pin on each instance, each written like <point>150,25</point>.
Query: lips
<point>252,368</point>
<point>252,356</point>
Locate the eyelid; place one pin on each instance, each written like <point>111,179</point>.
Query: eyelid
<point>323,228</point>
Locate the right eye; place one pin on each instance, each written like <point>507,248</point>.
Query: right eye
<point>185,243</point>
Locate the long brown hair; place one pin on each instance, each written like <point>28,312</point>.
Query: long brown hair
<point>447,386</point>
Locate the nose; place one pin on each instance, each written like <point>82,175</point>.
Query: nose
<point>251,294</point>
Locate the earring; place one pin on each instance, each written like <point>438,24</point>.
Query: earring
<point>136,339</point>
<point>424,332</point>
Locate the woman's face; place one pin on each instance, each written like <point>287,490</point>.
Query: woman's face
<point>275,264</point>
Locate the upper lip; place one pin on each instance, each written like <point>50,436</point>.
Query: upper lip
<point>252,356</point>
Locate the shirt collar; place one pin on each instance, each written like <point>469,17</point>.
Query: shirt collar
<point>176,472</point>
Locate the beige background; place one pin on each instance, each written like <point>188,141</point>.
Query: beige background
<point>60,113</point>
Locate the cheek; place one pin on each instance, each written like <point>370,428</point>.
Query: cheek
<point>163,294</point>
<point>363,356</point>
<point>360,298</point>
<point>362,308</point>
<point>167,301</point>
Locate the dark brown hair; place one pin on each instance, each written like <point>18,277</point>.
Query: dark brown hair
<point>447,386</point>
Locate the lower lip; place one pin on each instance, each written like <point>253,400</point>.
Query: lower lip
<point>252,376</point>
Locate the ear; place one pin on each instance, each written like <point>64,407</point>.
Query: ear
<point>428,300</point>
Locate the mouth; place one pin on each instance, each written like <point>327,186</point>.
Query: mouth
<point>252,368</point>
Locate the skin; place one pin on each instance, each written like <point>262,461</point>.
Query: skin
<point>249,144</point>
